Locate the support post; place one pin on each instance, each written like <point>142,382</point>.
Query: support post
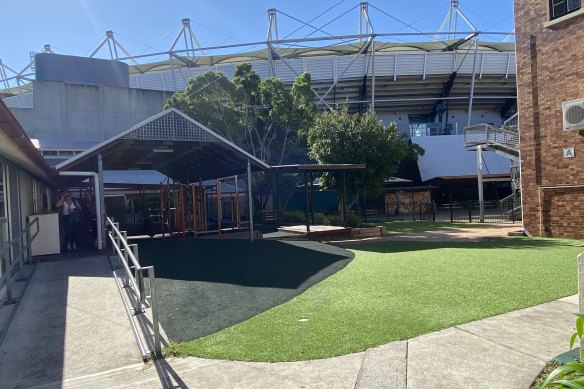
<point>373,75</point>
<point>344,198</point>
<point>250,201</point>
<point>581,296</point>
<point>99,196</point>
<point>306,205</point>
<point>277,198</point>
<point>472,82</point>
<point>480,183</point>
<point>312,215</point>
<point>219,210</point>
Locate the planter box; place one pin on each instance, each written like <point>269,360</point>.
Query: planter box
<point>367,232</point>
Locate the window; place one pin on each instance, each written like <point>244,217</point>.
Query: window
<point>560,8</point>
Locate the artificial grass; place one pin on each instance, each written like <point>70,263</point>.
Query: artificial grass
<point>399,290</point>
<point>409,226</point>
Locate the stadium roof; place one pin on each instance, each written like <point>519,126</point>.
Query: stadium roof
<point>346,49</point>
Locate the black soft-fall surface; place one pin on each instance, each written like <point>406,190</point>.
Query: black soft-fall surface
<point>204,286</point>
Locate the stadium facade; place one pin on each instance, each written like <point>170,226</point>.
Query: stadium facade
<point>432,89</point>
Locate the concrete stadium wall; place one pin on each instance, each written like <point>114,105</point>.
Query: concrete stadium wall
<point>66,111</point>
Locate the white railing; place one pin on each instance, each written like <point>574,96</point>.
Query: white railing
<point>14,254</point>
<point>503,138</point>
<point>133,281</point>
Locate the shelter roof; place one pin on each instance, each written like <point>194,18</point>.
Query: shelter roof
<point>320,167</point>
<point>171,143</point>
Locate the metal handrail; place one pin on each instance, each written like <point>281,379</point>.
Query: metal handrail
<point>134,279</point>
<point>489,135</point>
<point>10,263</point>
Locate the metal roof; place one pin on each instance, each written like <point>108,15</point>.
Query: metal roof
<point>303,52</point>
<point>325,167</point>
<point>171,143</point>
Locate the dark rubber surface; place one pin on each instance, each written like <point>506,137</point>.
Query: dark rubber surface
<point>204,286</point>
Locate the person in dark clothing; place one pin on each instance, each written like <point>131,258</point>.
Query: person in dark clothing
<point>71,209</point>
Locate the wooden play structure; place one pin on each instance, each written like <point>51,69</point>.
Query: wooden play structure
<point>199,208</point>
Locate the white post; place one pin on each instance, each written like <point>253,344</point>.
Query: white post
<point>480,182</point>
<point>472,82</point>
<point>581,295</point>
<point>249,201</point>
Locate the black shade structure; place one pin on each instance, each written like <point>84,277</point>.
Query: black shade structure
<point>171,143</point>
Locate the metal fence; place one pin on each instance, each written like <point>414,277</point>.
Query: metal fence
<point>133,281</point>
<point>507,210</point>
<point>469,211</point>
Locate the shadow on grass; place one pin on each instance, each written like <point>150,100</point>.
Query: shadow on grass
<point>395,246</point>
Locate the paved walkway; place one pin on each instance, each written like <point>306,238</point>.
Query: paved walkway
<point>71,332</point>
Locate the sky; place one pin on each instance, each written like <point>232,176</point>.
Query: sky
<point>75,27</point>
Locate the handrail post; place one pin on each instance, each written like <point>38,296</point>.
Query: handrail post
<point>139,276</point>
<point>126,257</point>
<point>154,307</point>
<point>8,270</point>
<point>29,245</point>
<point>20,246</point>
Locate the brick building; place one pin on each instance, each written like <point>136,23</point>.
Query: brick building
<point>550,70</point>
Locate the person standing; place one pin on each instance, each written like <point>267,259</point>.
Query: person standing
<point>71,211</point>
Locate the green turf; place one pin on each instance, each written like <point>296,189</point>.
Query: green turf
<point>409,226</point>
<point>398,290</point>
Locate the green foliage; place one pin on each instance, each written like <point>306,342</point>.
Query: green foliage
<point>293,217</point>
<point>353,220</point>
<point>209,98</point>
<point>261,115</point>
<point>570,375</point>
<point>339,137</point>
<point>331,220</point>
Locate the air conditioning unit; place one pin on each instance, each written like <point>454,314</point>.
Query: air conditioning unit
<point>573,113</point>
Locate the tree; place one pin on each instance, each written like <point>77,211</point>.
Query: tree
<point>209,98</point>
<point>262,116</point>
<point>338,137</point>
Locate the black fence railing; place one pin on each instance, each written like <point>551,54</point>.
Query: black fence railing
<point>495,211</point>
<point>469,211</point>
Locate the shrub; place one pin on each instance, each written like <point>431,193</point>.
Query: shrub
<point>331,220</point>
<point>353,220</point>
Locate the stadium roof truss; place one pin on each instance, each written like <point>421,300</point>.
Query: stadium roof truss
<point>362,70</point>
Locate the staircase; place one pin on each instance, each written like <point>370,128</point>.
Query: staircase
<point>502,140</point>
<point>511,207</point>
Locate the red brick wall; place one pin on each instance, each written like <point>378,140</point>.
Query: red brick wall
<point>550,70</point>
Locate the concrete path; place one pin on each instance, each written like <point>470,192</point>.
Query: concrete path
<point>70,322</point>
<point>96,349</point>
